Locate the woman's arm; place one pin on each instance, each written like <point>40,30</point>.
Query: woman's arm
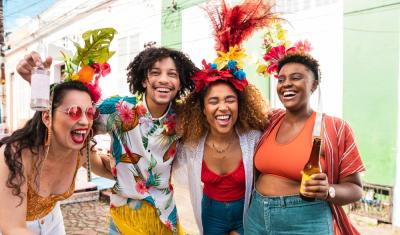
<point>100,165</point>
<point>13,210</point>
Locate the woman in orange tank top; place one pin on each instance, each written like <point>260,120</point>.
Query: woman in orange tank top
<point>38,162</point>
<point>284,149</point>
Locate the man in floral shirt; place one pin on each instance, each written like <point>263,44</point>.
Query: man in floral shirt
<point>142,128</point>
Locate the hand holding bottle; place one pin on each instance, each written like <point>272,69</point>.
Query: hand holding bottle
<point>30,61</point>
<point>316,187</point>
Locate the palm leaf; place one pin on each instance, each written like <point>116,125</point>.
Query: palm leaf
<point>96,47</point>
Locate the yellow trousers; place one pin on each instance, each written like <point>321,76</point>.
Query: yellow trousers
<point>143,221</point>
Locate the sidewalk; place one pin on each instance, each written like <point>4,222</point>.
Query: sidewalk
<point>88,218</point>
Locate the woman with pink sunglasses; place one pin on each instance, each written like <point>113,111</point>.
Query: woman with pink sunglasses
<point>38,163</point>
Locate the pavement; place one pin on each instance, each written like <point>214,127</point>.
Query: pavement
<point>89,218</point>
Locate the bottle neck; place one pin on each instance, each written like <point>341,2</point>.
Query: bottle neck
<point>314,156</point>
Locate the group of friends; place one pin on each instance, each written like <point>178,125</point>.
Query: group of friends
<point>208,127</point>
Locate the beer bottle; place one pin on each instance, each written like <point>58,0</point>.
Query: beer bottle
<point>313,166</point>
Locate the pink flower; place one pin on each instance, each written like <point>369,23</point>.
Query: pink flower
<point>141,187</point>
<point>141,110</point>
<point>105,69</point>
<point>168,223</point>
<point>303,46</point>
<point>124,112</point>
<point>274,55</point>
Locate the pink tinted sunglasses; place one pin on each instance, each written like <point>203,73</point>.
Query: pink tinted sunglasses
<point>75,112</point>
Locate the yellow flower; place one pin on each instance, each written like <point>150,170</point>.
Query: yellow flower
<point>234,53</point>
<point>261,68</point>
<point>74,77</point>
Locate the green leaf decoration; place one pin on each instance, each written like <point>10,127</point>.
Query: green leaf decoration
<point>169,202</point>
<point>96,47</point>
<point>165,191</point>
<point>145,142</point>
<point>153,162</point>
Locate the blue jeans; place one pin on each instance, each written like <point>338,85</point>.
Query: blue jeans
<point>287,215</point>
<point>112,229</point>
<point>221,217</point>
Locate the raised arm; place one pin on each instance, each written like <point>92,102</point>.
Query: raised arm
<point>101,165</point>
<point>13,210</point>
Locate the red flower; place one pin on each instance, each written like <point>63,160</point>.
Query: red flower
<point>170,123</point>
<point>96,67</point>
<point>141,187</point>
<point>105,69</point>
<point>172,151</point>
<point>114,171</point>
<point>171,188</point>
<point>208,75</point>
<point>95,91</point>
<point>274,55</point>
<point>168,223</point>
<point>141,110</point>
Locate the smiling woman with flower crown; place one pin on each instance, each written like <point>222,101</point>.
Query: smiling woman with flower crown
<point>221,123</point>
<point>284,149</point>
<point>38,163</point>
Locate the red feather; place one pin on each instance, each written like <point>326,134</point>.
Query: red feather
<point>234,25</point>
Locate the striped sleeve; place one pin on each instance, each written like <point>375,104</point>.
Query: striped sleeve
<point>350,161</point>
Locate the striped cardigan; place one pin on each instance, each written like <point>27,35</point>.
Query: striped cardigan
<point>342,159</point>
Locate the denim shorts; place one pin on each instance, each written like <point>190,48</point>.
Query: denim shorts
<point>221,217</point>
<point>52,223</point>
<point>287,215</point>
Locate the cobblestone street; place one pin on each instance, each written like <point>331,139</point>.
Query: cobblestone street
<point>88,218</point>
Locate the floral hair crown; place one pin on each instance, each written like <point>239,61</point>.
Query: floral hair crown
<point>274,54</point>
<point>232,25</point>
<point>90,61</point>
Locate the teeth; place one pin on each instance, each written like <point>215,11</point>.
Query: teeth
<point>163,89</point>
<point>79,132</point>
<point>222,117</point>
<point>288,93</point>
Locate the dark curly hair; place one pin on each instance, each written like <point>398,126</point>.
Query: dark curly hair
<point>143,62</point>
<point>252,112</point>
<point>32,136</point>
<point>304,59</point>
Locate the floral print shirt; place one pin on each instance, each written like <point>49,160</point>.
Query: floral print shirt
<point>143,149</point>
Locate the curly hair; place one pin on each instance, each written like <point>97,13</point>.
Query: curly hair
<point>32,136</point>
<point>144,61</point>
<point>252,112</point>
<point>304,59</point>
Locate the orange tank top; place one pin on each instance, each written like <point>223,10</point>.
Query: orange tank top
<point>286,160</point>
<point>38,206</point>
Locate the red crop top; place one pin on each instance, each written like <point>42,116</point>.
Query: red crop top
<point>224,188</point>
<point>286,160</point>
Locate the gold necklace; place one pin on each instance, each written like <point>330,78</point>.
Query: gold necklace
<point>224,149</point>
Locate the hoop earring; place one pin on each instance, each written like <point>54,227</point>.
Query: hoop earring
<point>47,138</point>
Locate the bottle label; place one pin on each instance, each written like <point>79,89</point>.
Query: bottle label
<point>40,86</point>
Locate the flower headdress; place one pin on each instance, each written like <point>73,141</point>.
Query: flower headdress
<point>232,25</point>
<point>90,61</point>
<point>277,47</point>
